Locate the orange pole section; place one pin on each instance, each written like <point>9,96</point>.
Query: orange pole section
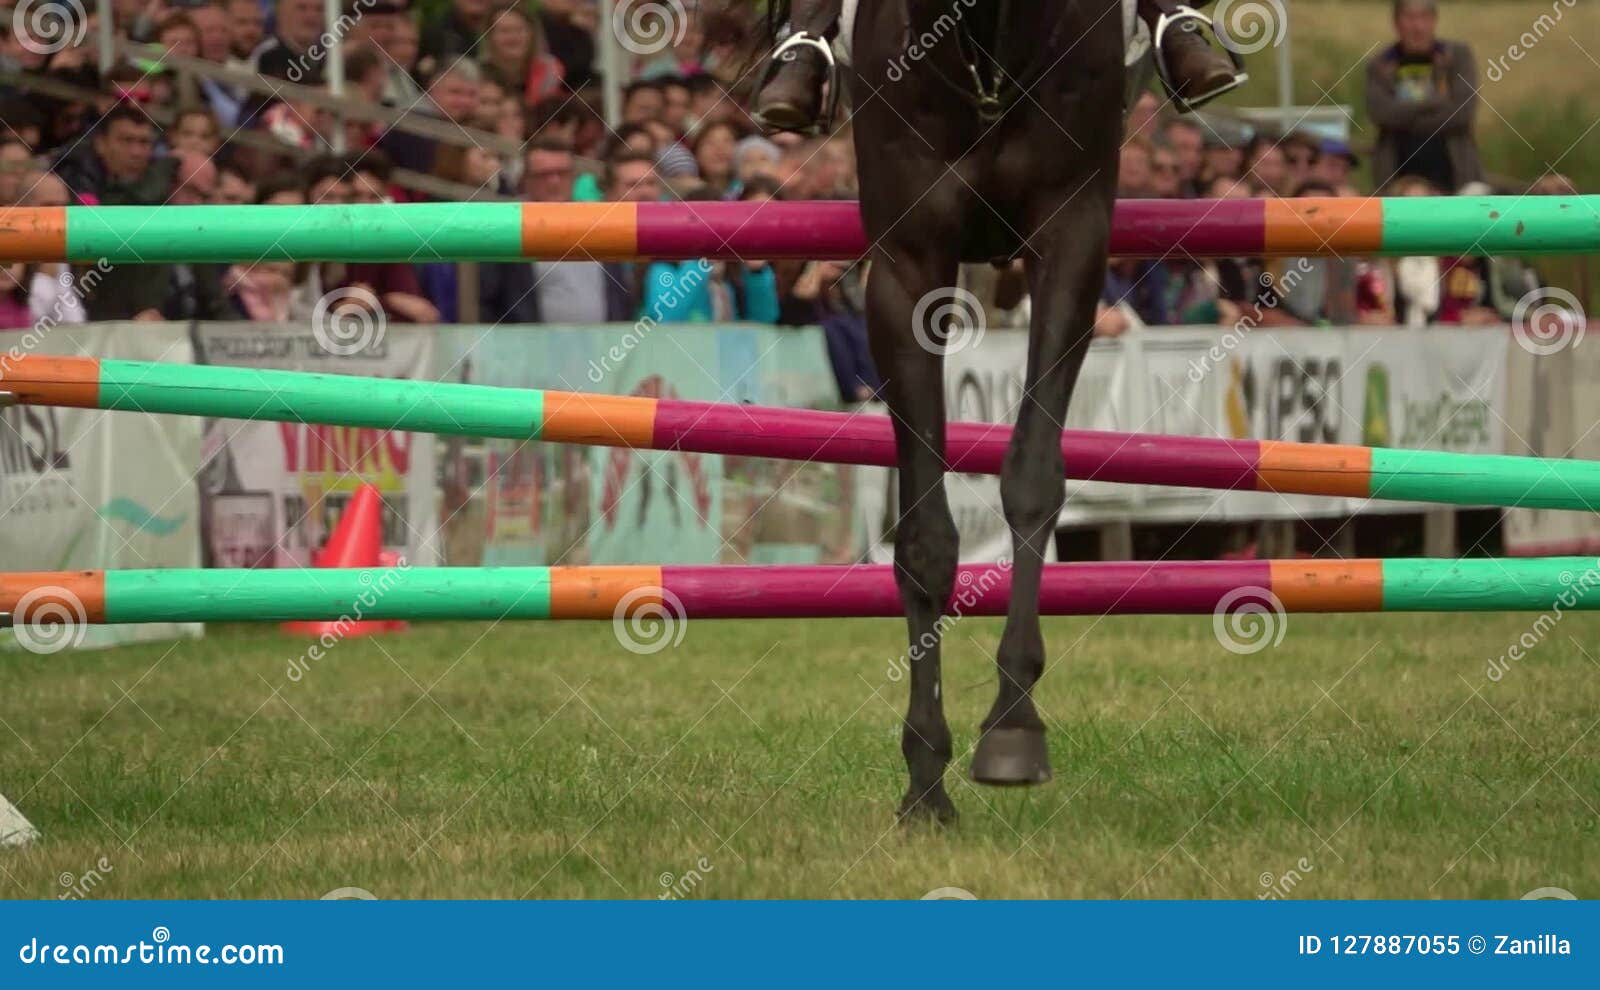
<point>33,233</point>
<point>52,381</point>
<point>596,592</point>
<point>1328,585</point>
<point>602,231</point>
<point>1318,469</point>
<point>44,596</point>
<point>1352,226</point>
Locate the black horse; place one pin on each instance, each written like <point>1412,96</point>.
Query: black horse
<point>984,130</point>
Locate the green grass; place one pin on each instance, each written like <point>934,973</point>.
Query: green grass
<point>545,761</point>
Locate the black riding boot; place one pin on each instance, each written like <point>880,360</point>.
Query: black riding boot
<point>1196,71</point>
<point>790,99</point>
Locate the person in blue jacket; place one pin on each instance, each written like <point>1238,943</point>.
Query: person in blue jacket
<point>704,291</point>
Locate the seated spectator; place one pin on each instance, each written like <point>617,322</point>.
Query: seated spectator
<point>401,45</point>
<point>1224,157</point>
<point>1422,93</point>
<point>642,101</point>
<point>296,27</point>
<point>452,95</point>
<point>327,181</point>
<point>708,101</point>
<point>1166,180</point>
<point>281,190</point>
<point>195,131</point>
<point>233,187</point>
<point>704,291</point>
<point>516,51</point>
<point>675,103</point>
<point>298,122</point>
<point>1135,176</point>
<point>755,156</point>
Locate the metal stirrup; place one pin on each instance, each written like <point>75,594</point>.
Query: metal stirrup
<point>1165,23</point>
<point>785,53</point>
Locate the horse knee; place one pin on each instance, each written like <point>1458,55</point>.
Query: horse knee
<point>1033,499</point>
<point>925,557</point>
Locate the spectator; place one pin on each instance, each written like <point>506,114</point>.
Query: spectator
<point>216,38</point>
<point>1142,116</point>
<point>516,50</point>
<point>1335,165</point>
<point>1186,140</point>
<point>703,291</point>
<point>1422,93</point>
<point>402,46</point>
<point>577,293</point>
<point>196,132</point>
<point>713,155</point>
<point>195,291</point>
<point>1301,152</point>
<point>247,24</point>
<point>38,293</point>
<point>1266,167</point>
<point>281,190</point>
<point>1135,176</point>
<point>756,156</point>
<point>569,26</point>
<point>675,103</point>
<point>1166,181</point>
<point>16,162</point>
<point>327,181</point>
<point>118,165</point>
<point>459,32</point>
<point>233,187</point>
<point>452,95</point>
<point>642,101</point>
<point>1224,158</point>
<point>708,101</point>
<point>297,26</point>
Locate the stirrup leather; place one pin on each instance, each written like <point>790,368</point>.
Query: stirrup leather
<point>1164,24</point>
<point>785,52</point>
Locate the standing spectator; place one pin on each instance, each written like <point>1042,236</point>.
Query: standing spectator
<point>1422,92</point>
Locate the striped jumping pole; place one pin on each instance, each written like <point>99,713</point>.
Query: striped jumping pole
<point>782,592</point>
<point>790,434</point>
<point>816,230</point>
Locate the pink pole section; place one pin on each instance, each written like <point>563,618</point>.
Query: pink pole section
<point>800,592</point>
<point>1141,229</point>
<point>970,448</point>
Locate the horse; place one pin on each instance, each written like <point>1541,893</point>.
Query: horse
<point>986,131</point>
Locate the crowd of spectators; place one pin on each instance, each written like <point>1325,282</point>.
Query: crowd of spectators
<point>518,90</point>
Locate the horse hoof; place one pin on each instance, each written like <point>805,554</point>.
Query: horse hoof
<point>933,808</point>
<point>784,116</point>
<point>1011,758</point>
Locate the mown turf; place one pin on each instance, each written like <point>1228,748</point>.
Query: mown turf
<point>545,761</point>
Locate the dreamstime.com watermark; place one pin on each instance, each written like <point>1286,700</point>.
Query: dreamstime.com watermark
<point>377,583</point>
<point>81,886</point>
<point>969,592</point>
<point>1547,321</point>
<point>648,27</point>
<point>676,285</point>
<point>948,321</point>
<point>1576,588</point>
<point>49,619</point>
<point>1529,39</point>
<point>348,321</point>
<point>1248,620</point>
<point>159,951</point>
<point>920,47</point>
<point>1250,26</point>
<point>648,620</point>
<point>686,883</point>
<point>1274,888</point>
<point>1274,289</point>
<point>45,27</point>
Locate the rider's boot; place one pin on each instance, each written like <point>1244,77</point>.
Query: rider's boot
<point>789,97</point>
<point>1192,68</point>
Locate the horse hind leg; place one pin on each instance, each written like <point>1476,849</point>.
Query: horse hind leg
<point>1064,281</point>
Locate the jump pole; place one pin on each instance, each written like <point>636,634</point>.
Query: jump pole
<point>1346,226</point>
<point>788,592</point>
<point>790,434</point>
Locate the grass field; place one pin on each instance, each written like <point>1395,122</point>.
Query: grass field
<point>1363,757</point>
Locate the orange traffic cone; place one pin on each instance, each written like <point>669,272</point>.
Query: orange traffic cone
<point>356,541</point>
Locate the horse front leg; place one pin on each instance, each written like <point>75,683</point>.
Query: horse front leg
<point>1065,281</point>
<point>925,543</point>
